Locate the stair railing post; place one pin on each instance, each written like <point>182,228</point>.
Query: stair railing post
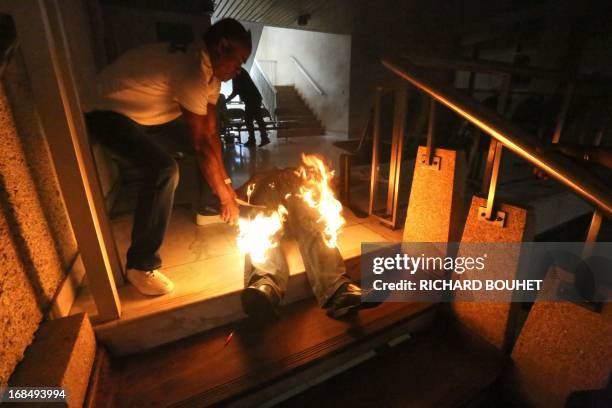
<point>395,166</point>
<point>430,131</point>
<point>494,158</point>
<point>375,147</point>
<point>569,91</point>
<point>592,234</point>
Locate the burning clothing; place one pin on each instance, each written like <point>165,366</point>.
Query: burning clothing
<point>323,263</point>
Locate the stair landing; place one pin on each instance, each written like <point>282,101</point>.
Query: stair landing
<point>207,270</point>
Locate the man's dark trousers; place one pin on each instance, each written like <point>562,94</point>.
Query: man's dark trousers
<point>137,144</point>
<point>252,112</point>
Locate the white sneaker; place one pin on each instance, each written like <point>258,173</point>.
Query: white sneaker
<point>152,283</point>
<point>202,220</point>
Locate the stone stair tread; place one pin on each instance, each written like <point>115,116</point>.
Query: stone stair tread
<point>296,118</point>
<point>206,291</point>
<point>300,132</point>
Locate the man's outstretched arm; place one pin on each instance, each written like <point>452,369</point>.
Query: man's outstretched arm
<point>207,145</point>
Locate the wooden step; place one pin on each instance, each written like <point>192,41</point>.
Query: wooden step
<point>433,369</point>
<point>258,362</point>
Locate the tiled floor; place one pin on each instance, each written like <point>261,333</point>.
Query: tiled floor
<point>204,261</point>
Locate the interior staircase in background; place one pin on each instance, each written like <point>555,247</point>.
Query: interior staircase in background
<point>294,116</point>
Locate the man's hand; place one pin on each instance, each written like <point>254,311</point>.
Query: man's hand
<point>207,145</point>
<point>229,206</point>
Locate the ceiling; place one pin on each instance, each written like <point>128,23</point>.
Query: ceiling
<point>332,16</point>
<point>336,16</point>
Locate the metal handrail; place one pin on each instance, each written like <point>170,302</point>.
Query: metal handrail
<point>8,54</point>
<point>266,88</point>
<point>268,66</point>
<point>263,74</point>
<point>495,67</point>
<point>308,77</point>
<point>574,177</point>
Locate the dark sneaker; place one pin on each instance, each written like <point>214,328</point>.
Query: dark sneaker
<point>346,302</point>
<point>250,143</point>
<point>264,141</point>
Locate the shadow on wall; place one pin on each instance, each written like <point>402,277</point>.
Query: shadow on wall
<point>323,57</point>
<point>37,246</point>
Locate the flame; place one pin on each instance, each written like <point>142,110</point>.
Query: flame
<point>250,189</point>
<point>258,235</point>
<point>316,191</point>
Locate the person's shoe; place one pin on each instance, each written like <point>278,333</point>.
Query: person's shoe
<point>260,302</point>
<point>264,141</point>
<point>346,302</point>
<point>204,219</point>
<point>208,215</point>
<point>250,143</point>
<point>151,283</point>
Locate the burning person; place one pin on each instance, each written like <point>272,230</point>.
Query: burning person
<point>299,203</point>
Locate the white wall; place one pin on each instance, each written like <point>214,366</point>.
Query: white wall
<point>326,58</point>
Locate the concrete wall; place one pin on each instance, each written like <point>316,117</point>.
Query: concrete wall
<point>326,58</point>
<point>37,245</point>
<point>126,28</point>
<point>390,28</point>
<point>77,23</point>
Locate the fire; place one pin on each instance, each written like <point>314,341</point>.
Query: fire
<point>258,235</point>
<point>250,189</point>
<point>316,191</point>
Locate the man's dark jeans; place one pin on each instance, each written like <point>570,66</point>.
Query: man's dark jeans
<point>144,146</point>
<point>252,112</point>
<point>324,266</point>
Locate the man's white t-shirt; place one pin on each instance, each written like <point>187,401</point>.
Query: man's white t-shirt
<point>148,84</point>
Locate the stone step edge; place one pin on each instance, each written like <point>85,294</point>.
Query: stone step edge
<point>120,338</point>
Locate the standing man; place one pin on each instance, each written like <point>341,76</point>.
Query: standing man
<point>243,85</point>
<point>154,85</point>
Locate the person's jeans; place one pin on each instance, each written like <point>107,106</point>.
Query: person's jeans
<point>324,266</point>
<point>143,145</point>
<point>252,112</point>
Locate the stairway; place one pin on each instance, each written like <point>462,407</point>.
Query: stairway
<point>294,117</point>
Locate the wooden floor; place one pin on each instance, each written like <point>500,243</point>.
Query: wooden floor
<point>433,369</point>
<point>203,370</point>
